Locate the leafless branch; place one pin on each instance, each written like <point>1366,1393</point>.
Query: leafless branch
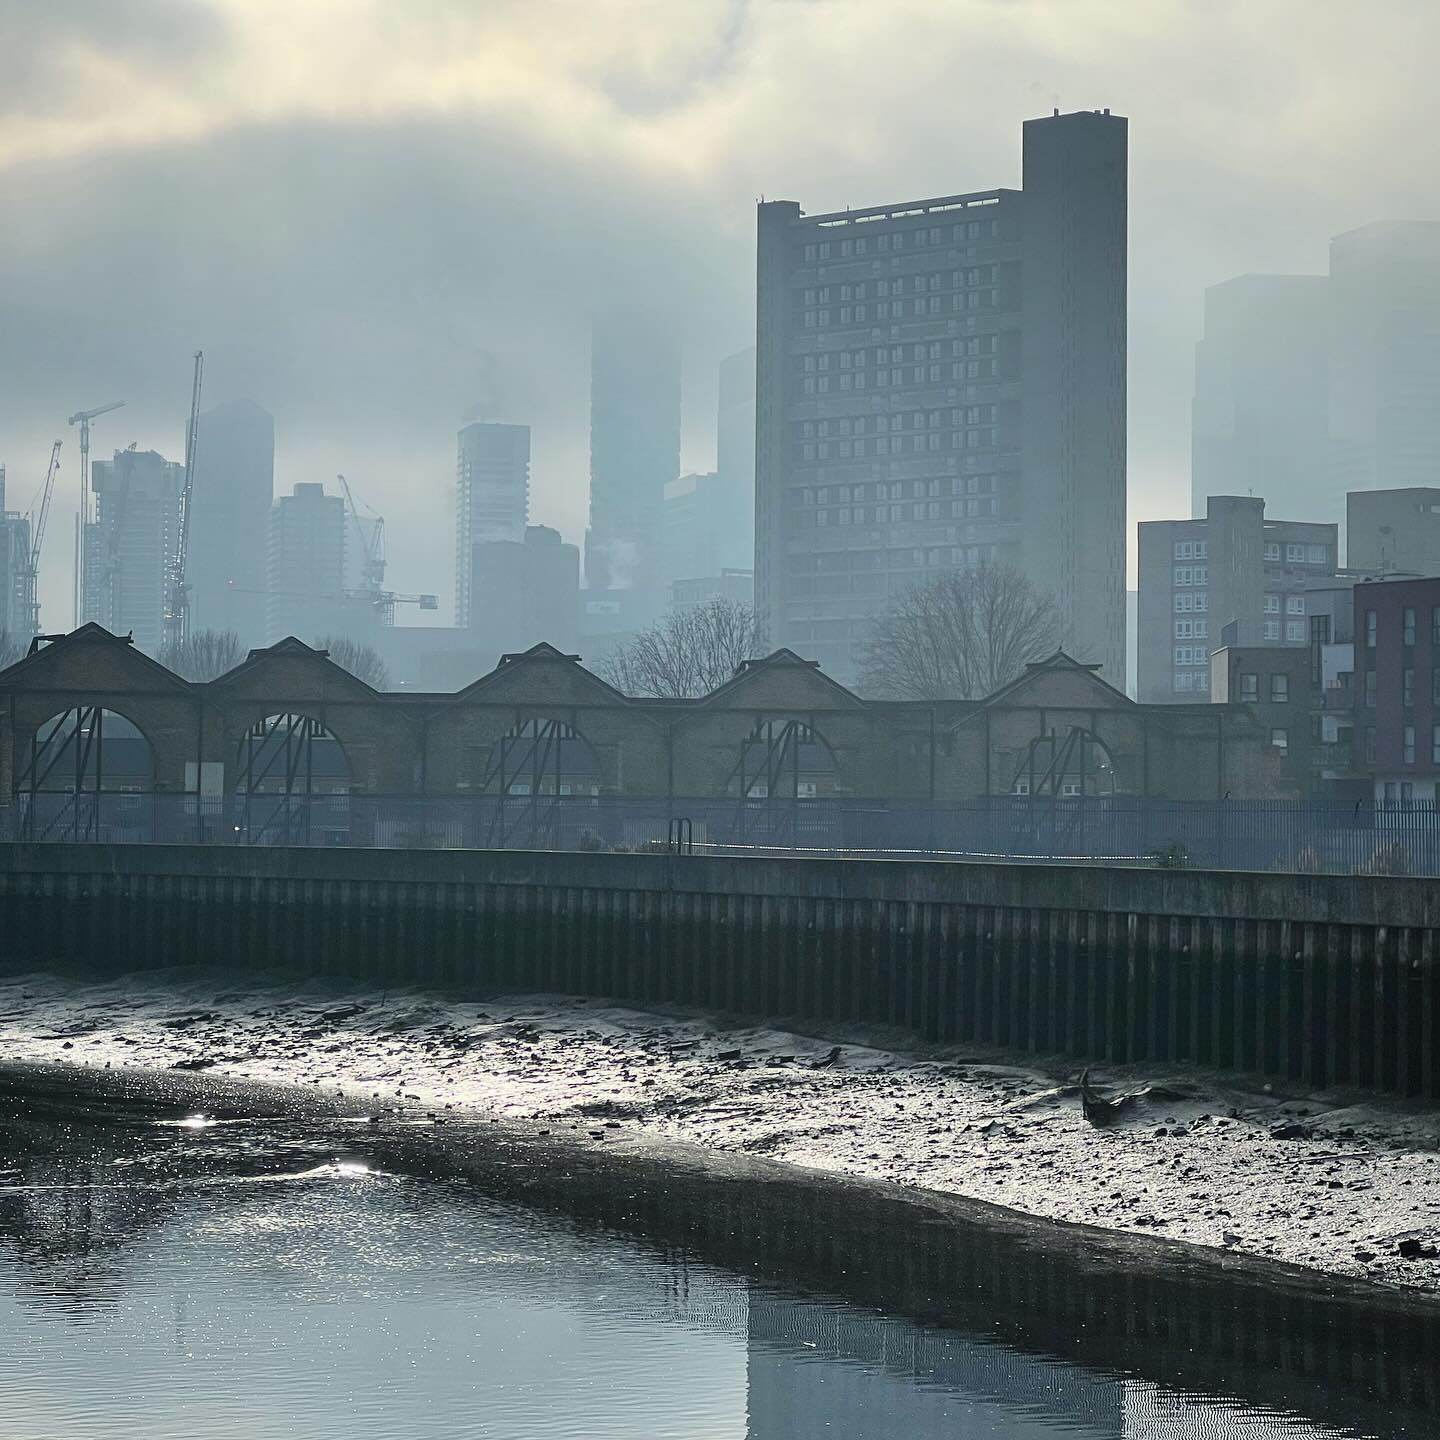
<point>204,655</point>
<point>364,662</point>
<point>961,637</point>
<point>689,653</point>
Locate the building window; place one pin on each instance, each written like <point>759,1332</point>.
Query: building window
<point>1271,633</point>
<point>1294,554</point>
<point>1407,626</point>
<point>1249,688</point>
<point>1295,632</point>
<point>1435,744</point>
<point>1272,604</point>
<point>1407,687</point>
<point>1294,604</point>
<point>1279,689</point>
<point>1369,744</point>
<point>1272,552</point>
<point>1435,626</point>
<point>1409,745</point>
<point>1280,739</point>
<point>1370,689</point>
<point>1369,629</point>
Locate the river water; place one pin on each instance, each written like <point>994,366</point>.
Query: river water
<point>163,1275</point>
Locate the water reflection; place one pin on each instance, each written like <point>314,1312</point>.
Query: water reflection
<point>268,1279</point>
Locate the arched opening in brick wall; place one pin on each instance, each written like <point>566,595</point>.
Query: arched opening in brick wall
<point>88,773</point>
<point>540,785</point>
<point>784,758</point>
<point>292,783</point>
<point>1071,764</point>
<point>785,779</point>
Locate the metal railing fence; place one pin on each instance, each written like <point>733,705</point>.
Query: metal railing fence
<point>1275,835</point>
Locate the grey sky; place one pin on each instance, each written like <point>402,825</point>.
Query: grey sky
<point>375,217</point>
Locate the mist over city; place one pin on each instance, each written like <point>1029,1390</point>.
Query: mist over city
<point>378,221</point>
<point>719,720</point>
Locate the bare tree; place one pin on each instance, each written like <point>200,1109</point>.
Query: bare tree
<point>690,652</point>
<point>364,662</point>
<point>961,637</point>
<point>204,655</point>
<point>12,649</point>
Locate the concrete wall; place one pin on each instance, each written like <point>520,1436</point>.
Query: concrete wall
<point>1323,980</point>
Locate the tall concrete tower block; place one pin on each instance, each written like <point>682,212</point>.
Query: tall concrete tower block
<point>940,385</point>
<point>1073,365</point>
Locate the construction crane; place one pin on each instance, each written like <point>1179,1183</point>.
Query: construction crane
<point>177,593</point>
<point>86,515</point>
<point>372,546</point>
<point>372,565</point>
<point>39,517</point>
<point>386,600</point>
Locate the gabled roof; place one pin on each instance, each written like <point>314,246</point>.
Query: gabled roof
<point>91,634</point>
<point>543,651</point>
<point>780,662</point>
<point>290,648</point>
<point>507,674</point>
<point>1059,661</point>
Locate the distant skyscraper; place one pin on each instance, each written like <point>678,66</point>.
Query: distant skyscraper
<point>1393,532</point>
<point>234,490</point>
<point>128,547</point>
<point>1308,387</point>
<point>306,570</point>
<point>526,592</point>
<point>735,444</point>
<point>634,446</point>
<point>1258,419</point>
<point>492,496</point>
<point>16,610</point>
<point>706,527</point>
<point>1385,357</point>
<point>941,384</point>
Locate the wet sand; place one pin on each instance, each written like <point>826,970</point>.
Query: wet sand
<point>1335,1183</point>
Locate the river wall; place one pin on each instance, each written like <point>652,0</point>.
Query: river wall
<point>1321,980</point>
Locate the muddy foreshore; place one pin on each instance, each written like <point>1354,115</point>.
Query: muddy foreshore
<point>1260,1331</point>
<point>1346,1185</point>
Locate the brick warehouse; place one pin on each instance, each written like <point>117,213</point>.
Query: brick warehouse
<point>88,712</point>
